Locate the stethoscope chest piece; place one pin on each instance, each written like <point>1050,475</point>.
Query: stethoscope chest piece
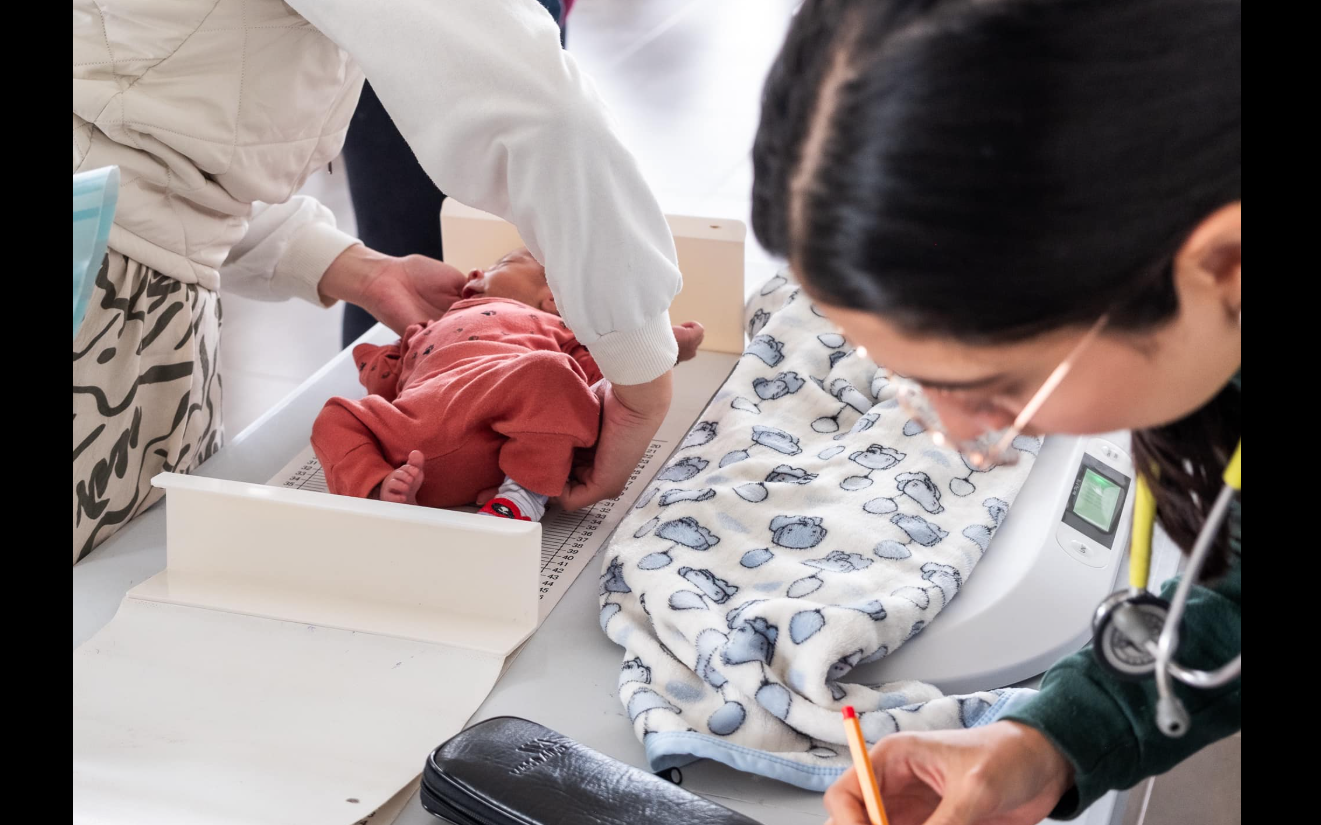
<point>1135,634</point>
<point>1125,629</point>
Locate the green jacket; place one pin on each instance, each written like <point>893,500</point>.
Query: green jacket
<point>1107,728</point>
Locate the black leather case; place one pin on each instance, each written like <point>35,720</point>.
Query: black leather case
<point>509,771</point>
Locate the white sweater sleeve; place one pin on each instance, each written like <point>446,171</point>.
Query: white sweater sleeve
<point>502,120</point>
<point>286,250</point>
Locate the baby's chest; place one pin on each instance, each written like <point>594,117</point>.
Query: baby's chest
<point>489,323</point>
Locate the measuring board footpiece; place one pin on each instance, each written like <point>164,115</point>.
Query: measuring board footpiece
<point>569,540</point>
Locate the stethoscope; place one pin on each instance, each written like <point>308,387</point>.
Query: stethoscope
<point>1136,633</point>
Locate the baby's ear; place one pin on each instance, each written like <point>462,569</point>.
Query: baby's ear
<point>548,304</point>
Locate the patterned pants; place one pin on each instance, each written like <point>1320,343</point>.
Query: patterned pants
<point>146,393</point>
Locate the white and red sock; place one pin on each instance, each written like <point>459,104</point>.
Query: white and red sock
<point>513,501</point>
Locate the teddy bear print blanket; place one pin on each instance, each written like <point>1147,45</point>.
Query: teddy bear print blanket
<point>805,525</point>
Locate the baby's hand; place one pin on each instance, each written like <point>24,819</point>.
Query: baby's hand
<point>689,334</point>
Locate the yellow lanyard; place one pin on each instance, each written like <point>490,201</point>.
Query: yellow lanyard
<point>1144,520</point>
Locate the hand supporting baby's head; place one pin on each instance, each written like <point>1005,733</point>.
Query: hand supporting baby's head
<point>517,277</point>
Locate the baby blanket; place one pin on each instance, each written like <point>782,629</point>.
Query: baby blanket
<point>805,525</point>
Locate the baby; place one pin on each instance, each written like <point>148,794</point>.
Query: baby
<point>487,403</point>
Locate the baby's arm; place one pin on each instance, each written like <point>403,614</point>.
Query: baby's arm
<point>379,367</point>
<point>579,353</point>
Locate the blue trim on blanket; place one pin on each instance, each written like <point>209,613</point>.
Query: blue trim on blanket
<point>678,748</point>
<point>1010,701</point>
<point>675,749</point>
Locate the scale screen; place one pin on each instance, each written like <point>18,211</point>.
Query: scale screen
<point>1098,500</point>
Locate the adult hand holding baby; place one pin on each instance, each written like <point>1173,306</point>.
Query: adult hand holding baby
<point>630,417</point>
<point>396,291</point>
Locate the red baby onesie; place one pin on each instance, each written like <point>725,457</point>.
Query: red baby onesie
<point>494,388</point>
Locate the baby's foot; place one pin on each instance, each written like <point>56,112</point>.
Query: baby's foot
<point>514,501</point>
<point>689,334</point>
<point>401,486</point>
<point>503,508</point>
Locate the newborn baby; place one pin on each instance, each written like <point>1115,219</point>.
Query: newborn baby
<point>486,404</point>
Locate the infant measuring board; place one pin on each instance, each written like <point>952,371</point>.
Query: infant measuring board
<point>302,652</point>
<point>570,540</point>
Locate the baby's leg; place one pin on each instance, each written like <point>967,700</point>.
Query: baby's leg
<point>401,486</point>
<point>346,438</point>
<point>513,501</point>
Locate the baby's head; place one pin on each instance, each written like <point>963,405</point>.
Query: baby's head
<point>517,276</point>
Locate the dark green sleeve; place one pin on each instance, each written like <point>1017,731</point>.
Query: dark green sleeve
<point>1107,728</point>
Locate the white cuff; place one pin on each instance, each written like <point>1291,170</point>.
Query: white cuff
<point>637,356</point>
<point>309,254</point>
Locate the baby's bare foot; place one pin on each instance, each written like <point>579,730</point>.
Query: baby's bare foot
<point>689,334</point>
<point>401,486</point>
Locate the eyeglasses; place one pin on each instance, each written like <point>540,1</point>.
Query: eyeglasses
<point>992,448</point>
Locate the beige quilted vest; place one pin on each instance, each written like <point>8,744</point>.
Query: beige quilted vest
<point>205,106</point>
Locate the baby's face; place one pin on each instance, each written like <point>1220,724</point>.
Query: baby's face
<point>517,276</point>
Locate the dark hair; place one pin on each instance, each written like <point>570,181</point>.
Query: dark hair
<point>994,170</point>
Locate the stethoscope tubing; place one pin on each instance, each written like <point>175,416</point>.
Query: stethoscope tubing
<point>1166,668</point>
<point>1129,613</point>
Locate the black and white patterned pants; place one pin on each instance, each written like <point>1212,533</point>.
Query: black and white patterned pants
<point>146,393</point>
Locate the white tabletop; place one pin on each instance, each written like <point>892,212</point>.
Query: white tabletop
<point>563,678</point>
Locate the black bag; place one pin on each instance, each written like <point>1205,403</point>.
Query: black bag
<point>509,771</point>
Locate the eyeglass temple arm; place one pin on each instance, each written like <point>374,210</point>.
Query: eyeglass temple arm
<point>1056,376</point>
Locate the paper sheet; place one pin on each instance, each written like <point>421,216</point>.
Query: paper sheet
<point>213,718</point>
<point>390,811</point>
<point>570,540</point>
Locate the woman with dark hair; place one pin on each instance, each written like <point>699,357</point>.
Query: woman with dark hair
<point>977,192</point>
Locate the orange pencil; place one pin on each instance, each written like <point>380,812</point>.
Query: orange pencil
<point>871,792</point>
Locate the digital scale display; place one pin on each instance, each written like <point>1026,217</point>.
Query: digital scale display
<point>1096,501</point>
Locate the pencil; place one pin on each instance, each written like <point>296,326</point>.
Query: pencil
<point>871,792</point>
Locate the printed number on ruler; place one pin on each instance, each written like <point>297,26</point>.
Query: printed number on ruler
<point>579,534</point>
<point>303,473</point>
<point>652,449</point>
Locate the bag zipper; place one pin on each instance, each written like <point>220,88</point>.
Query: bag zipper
<point>463,794</point>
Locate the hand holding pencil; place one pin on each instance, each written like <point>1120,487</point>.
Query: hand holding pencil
<point>1001,774</point>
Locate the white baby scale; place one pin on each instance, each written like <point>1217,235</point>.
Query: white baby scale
<point>1060,551</point>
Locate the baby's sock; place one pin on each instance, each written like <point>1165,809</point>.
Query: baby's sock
<point>513,501</point>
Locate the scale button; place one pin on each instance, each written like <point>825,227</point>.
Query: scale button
<point>1079,547</point>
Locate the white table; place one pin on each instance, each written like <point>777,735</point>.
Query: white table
<point>564,677</point>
